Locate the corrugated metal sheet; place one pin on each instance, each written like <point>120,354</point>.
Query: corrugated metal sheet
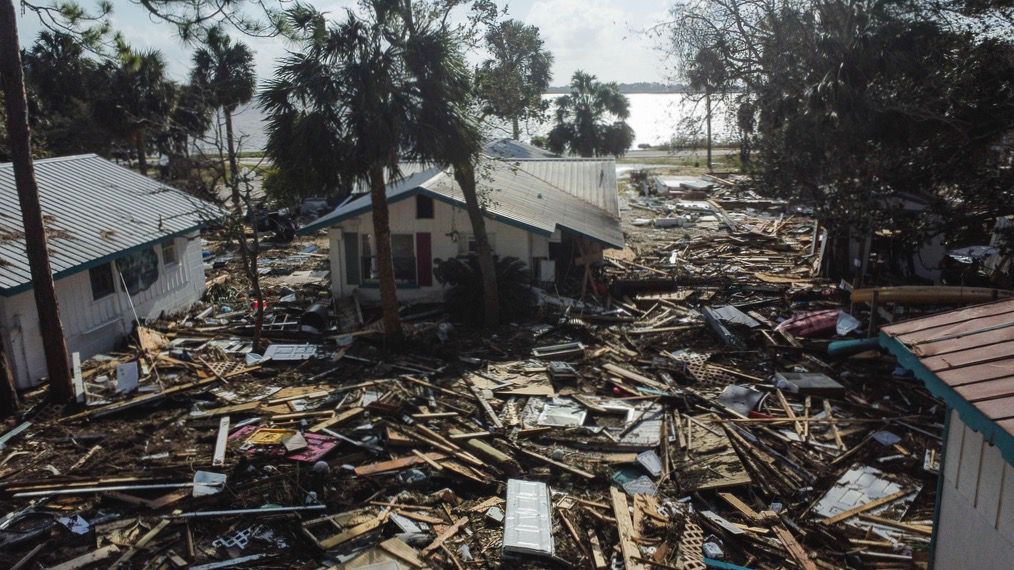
<point>94,210</point>
<point>971,351</point>
<point>514,196</point>
<point>528,528</point>
<point>592,180</point>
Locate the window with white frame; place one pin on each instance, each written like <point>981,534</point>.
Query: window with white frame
<point>403,252</point>
<point>169,256</point>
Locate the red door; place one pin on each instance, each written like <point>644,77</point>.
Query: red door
<point>424,259</point>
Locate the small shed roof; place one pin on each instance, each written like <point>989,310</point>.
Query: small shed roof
<point>94,211</point>
<point>516,197</point>
<point>966,358</point>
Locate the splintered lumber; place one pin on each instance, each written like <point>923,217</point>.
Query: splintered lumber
<point>87,559</point>
<point>395,464</point>
<point>796,551</point>
<point>625,528</point>
<point>354,532</point>
<point>444,536</point>
<point>447,446</point>
<point>865,507</point>
<point>913,528</point>
<point>633,376</point>
<point>713,463</point>
<point>555,463</point>
<point>740,506</point>
<point>789,412</point>
<point>403,552</point>
<point>486,407</point>
<point>494,454</point>
<point>431,462</point>
<point>486,505</point>
<point>598,560</point>
<point>834,426</point>
<point>139,400</point>
<point>148,537</point>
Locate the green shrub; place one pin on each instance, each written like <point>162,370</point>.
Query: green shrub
<point>464,298</point>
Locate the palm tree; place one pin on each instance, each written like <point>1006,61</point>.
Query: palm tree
<point>138,100</point>
<point>452,137</point>
<point>707,73</point>
<point>343,99</point>
<point>224,72</point>
<point>583,124</point>
<point>512,82</point>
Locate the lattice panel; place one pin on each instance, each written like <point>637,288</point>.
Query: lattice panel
<point>691,556</point>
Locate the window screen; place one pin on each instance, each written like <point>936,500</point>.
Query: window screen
<point>102,281</point>
<point>139,270</point>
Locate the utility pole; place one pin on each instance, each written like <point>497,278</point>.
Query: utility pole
<point>19,136</point>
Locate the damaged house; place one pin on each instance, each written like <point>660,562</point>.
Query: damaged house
<point>122,247</point>
<point>554,214</point>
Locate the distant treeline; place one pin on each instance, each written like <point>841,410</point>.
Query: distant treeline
<point>643,87</point>
<point>639,87</point>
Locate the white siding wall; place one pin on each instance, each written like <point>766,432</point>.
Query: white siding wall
<point>976,527</point>
<point>93,326</point>
<point>509,241</point>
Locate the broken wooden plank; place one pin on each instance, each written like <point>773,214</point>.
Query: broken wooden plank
<point>795,550</point>
<point>87,559</point>
<point>354,532</point>
<point>444,536</point>
<point>218,458</point>
<point>555,463</point>
<point>394,464</point>
<point>337,419</point>
<point>403,552</point>
<point>625,528</point>
<point>854,511</point>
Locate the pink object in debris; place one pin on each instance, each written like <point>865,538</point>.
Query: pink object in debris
<point>810,323</point>
<point>317,446</point>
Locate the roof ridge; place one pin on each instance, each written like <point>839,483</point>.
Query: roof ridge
<point>52,159</point>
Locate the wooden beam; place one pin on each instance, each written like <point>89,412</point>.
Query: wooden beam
<point>796,550</point>
<point>555,463</point>
<point>625,528</point>
<point>854,511</point>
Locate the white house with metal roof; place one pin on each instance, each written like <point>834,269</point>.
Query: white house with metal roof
<point>119,243</point>
<point>546,211</point>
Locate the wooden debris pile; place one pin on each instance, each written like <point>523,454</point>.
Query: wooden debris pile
<point>673,422</point>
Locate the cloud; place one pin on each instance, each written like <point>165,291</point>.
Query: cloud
<point>601,37</point>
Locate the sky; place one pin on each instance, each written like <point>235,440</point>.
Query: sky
<point>602,37</point>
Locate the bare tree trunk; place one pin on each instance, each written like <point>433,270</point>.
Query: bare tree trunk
<point>8,392</point>
<point>517,129</point>
<point>142,153</point>
<point>248,257</point>
<point>385,261</point>
<point>707,103</point>
<point>20,140</point>
<point>464,173</point>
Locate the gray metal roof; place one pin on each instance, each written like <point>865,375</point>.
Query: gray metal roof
<point>591,179</point>
<point>94,211</point>
<point>514,196</point>
<point>509,148</point>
